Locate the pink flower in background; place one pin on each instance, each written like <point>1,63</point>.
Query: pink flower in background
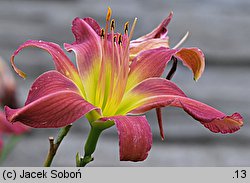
<point>10,129</point>
<point>7,97</point>
<point>7,85</point>
<point>115,79</point>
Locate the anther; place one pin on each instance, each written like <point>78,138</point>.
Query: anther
<point>115,39</point>
<point>108,14</point>
<point>102,33</point>
<point>120,39</point>
<point>126,27</point>
<point>112,24</point>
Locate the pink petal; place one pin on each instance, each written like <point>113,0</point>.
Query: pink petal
<point>135,137</point>
<point>158,32</point>
<point>93,23</point>
<point>136,48</point>
<point>155,39</point>
<point>7,127</point>
<point>51,111</point>
<point>61,61</point>
<point>211,118</point>
<point>150,63</point>
<point>142,94</point>
<point>155,93</point>
<point>54,101</point>
<point>194,59</point>
<point>87,47</point>
<point>48,83</point>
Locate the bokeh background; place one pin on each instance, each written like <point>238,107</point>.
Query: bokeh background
<point>219,27</point>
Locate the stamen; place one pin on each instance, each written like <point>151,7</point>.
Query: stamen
<point>108,16</point>
<point>130,35</point>
<point>102,33</point>
<point>115,39</point>
<point>112,25</point>
<point>181,41</point>
<point>126,27</point>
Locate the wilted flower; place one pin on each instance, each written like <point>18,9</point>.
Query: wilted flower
<point>112,81</point>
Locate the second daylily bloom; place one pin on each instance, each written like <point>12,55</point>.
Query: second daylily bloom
<point>110,87</point>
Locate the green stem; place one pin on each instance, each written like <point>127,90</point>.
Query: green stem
<point>93,116</point>
<point>97,127</point>
<point>54,146</point>
<point>90,146</point>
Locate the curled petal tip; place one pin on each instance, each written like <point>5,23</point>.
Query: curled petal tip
<point>18,71</point>
<point>194,59</point>
<point>8,113</point>
<point>236,116</point>
<point>10,128</point>
<point>196,78</point>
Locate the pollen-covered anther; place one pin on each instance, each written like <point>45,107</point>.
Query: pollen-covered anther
<point>102,33</point>
<point>112,25</point>
<point>114,39</point>
<point>126,27</point>
<point>108,16</point>
<point>120,39</point>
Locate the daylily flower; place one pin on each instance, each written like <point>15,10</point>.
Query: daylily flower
<point>109,88</point>
<point>192,57</point>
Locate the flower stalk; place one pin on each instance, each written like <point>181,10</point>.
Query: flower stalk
<point>89,147</point>
<point>173,69</point>
<point>54,146</point>
<point>96,129</point>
